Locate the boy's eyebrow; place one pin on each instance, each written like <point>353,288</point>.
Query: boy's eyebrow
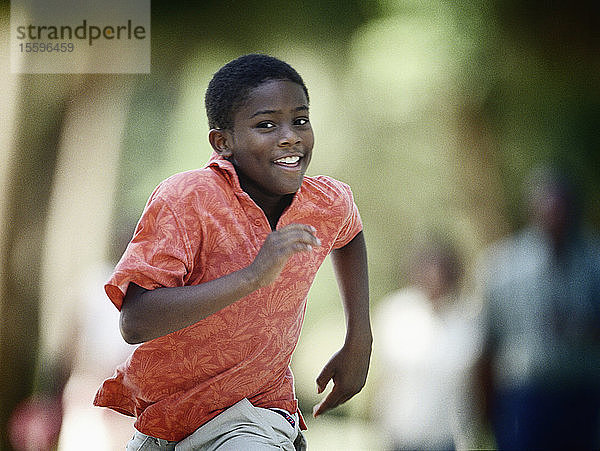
<point>258,113</point>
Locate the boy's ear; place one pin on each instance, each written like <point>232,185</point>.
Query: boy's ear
<point>220,142</point>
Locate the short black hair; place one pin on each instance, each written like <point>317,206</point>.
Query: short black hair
<point>231,85</point>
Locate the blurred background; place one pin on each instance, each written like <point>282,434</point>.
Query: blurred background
<point>434,113</point>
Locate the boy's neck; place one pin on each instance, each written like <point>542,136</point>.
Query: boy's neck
<point>272,205</point>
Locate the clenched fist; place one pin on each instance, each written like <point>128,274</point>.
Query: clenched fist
<point>277,249</point>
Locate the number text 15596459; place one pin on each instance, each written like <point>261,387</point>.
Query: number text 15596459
<point>47,47</point>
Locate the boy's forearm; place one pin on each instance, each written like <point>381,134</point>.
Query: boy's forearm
<point>149,314</point>
<point>350,266</point>
<point>349,366</point>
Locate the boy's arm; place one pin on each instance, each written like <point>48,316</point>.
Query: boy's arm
<point>149,314</point>
<point>348,367</point>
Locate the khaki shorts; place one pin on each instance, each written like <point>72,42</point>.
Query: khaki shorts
<point>242,426</point>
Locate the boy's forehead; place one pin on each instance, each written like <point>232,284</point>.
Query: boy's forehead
<point>277,93</point>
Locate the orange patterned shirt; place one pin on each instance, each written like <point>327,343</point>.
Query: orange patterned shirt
<point>197,226</point>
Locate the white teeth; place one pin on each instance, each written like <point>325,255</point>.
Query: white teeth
<point>288,160</point>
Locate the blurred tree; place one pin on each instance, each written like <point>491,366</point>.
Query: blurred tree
<point>545,106</point>
<point>28,189</point>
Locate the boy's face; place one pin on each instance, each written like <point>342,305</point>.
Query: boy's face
<point>271,141</point>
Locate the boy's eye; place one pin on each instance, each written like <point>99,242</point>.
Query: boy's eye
<point>265,124</point>
<point>301,121</point>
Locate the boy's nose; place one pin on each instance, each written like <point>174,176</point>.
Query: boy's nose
<point>289,137</point>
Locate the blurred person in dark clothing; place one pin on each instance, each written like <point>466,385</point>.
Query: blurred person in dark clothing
<point>541,290</point>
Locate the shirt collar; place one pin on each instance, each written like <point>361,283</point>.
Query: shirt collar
<point>225,168</point>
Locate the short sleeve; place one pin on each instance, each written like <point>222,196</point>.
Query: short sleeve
<point>158,255</point>
<point>352,223</point>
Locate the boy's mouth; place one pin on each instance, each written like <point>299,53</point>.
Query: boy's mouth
<point>291,161</point>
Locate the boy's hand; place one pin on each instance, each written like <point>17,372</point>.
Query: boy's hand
<point>348,369</point>
<point>277,249</point>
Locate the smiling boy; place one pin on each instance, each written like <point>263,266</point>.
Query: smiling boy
<point>215,280</point>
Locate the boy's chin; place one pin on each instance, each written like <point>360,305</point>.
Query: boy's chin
<point>287,185</point>
<point>288,192</point>
<point>293,188</point>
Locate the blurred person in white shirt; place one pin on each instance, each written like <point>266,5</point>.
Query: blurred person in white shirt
<point>427,342</point>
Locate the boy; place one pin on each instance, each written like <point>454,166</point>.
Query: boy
<point>215,279</point>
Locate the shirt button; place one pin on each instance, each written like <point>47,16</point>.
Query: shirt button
<point>257,222</point>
